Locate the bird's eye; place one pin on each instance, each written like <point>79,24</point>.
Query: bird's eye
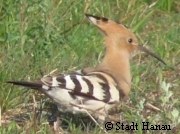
<point>130,40</point>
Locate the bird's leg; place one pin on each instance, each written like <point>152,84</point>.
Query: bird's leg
<point>89,113</point>
<point>54,120</point>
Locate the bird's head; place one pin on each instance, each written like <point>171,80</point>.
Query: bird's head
<point>118,37</point>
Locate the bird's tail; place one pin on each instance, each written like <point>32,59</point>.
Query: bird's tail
<point>32,85</point>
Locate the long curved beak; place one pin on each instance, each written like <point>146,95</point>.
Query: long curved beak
<point>142,48</point>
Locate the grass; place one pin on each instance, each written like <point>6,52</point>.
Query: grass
<point>39,36</point>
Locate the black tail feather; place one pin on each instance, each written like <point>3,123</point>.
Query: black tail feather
<point>33,85</point>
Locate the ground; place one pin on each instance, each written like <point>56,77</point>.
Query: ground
<point>37,37</point>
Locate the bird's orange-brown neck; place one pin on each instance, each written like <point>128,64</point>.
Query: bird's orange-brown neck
<point>116,63</point>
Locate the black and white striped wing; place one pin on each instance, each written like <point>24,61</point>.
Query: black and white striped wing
<point>89,89</point>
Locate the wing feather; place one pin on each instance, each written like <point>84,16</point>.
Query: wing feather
<point>96,85</point>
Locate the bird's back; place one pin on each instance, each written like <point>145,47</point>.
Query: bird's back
<point>78,91</point>
<point>91,91</point>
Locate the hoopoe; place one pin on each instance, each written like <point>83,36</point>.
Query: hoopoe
<point>100,88</point>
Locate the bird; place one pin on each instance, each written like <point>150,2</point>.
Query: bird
<point>95,89</point>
